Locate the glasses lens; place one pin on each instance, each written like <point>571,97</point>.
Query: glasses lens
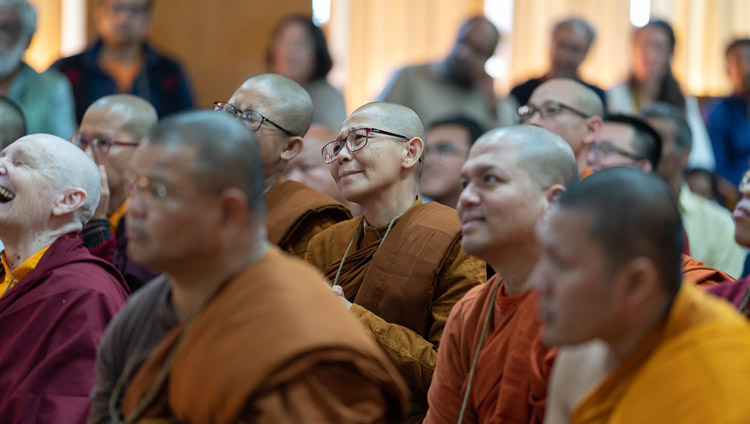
<point>525,112</point>
<point>551,109</point>
<point>101,145</point>
<point>357,139</point>
<point>745,182</point>
<point>331,150</point>
<point>79,141</point>
<point>252,119</point>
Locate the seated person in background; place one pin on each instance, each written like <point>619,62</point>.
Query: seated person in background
<point>491,361</point>
<point>298,51</point>
<point>570,110</point>
<point>649,348</point>
<point>701,182</point>
<point>309,169</point>
<point>55,297</point>
<point>46,98</point>
<point>12,122</point>
<point>273,344</point>
<point>279,112</point>
<point>571,40</point>
<point>456,85</point>
<point>729,123</point>
<point>121,61</point>
<point>447,145</point>
<point>708,226</point>
<point>110,131</point>
<point>399,267</point>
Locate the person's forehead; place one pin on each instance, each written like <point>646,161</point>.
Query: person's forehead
<point>499,153</point>
<point>448,132</point>
<point>555,92</point>
<point>620,134</point>
<point>104,118</point>
<point>570,33</point>
<point>164,160</point>
<point>481,35</point>
<point>371,117</point>
<point>254,96</point>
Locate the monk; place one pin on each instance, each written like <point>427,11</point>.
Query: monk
<point>638,345</point>
<point>308,169</point>
<point>235,330</point>
<point>491,366</point>
<point>111,129</point>
<point>279,112</point>
<point>55,297</point>
<point>739,292</point>
<point>399,267</point>
<point>569,109</point>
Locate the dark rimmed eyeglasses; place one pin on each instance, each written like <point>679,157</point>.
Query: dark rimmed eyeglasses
<point>605,148</point>
<point>547,110</point>
<point>356,140</point>
<point>100,145</point>
<point>252,119</point>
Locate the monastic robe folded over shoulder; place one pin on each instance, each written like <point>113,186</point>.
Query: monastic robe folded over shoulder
<point>510,380</point>
<point>404,289</point>
<point>51,321</point>
<point>693,271</point>
<point>274,346</point>
<point>296,213</point>
<point>735,292</point>
<point>702,348</point>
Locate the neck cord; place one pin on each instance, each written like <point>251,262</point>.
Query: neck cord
<point>474,361</point>
<point>351,242</point>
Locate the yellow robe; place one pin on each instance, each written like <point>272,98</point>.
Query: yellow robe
<point>693,369</point>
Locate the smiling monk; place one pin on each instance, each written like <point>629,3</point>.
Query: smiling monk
<point>399,267</point>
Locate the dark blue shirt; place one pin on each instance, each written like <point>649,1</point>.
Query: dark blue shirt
<point>729,128</point>
<point>161,81</point>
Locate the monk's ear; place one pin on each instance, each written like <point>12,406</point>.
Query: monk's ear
<point>69,201</point>
<point>593,129</point>
<point>414,149</point>
<point>292,147</point>
<point>638,282</point>
<point>551,195</point>
<point>234,209</point>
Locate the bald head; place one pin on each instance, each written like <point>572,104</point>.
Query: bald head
<point>237,154</point>
<point>12,122</point>
<point>572,93</point>
<point>633,214</point>
<point>545,156</point>
<point>122,113</point>
<point>285,101</point>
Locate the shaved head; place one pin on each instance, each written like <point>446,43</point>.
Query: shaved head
<point>289,104</point>
<point>633,214</point>
<point>12,122</point>
<point>545,156</point>
<point>572,93</point>
<point>128,113</point>
<point>236,153</point>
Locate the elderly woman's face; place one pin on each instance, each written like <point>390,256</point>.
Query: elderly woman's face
<point>293,53</point>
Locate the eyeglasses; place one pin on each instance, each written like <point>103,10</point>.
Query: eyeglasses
<point>444,151</point>
<point>606,148</point>
<point>356,140</point>
<point>250,118</point>
<point>744,186</point>
<point>547,110</point>
<point>144,187</point>
<point>100,145</point>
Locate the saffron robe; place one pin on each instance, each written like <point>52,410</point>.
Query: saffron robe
<point>274,345</point>
<point>404,289</point>
<point>296,213</point>
<point>734,292</point>
<point>510,380</point>
<point>694,272</point>
<point>702,348</point>
<point>51,321</point>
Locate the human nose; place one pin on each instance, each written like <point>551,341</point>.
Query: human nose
<point>344,154</point>
<point>468,197</point>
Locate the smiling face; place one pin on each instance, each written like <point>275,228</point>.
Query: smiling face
<point>500,203</point>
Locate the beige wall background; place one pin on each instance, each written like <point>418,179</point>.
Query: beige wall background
<point>222,42</point>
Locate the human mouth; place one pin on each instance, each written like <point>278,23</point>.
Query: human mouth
<point>742,212</point>
<point>6,195</point>
<point>470,220</point>
<point>343,174</point>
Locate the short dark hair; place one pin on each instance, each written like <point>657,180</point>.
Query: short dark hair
<point>323,61</point>
<point>683,133</point>
<point>475,130</point>
<point>634,214</point>
<point>579,24</point>
<point>737,43</point>
<point>646,141</point>
<point>221,143</point>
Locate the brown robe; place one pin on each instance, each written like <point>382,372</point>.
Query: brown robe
<point>403,290</point>
<point>296,213</point>
<point>693,271</point>
<point>275,345</point>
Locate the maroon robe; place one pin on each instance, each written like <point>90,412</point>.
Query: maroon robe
<point>734,292</point>
<point>50,325</point>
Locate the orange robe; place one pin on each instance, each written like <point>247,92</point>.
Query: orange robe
<point>274,345</point>
<point>296,213</point>
<point>701,350</point>
<point>693,271</point>
<point>404,289</point>
<point>510,381</point>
